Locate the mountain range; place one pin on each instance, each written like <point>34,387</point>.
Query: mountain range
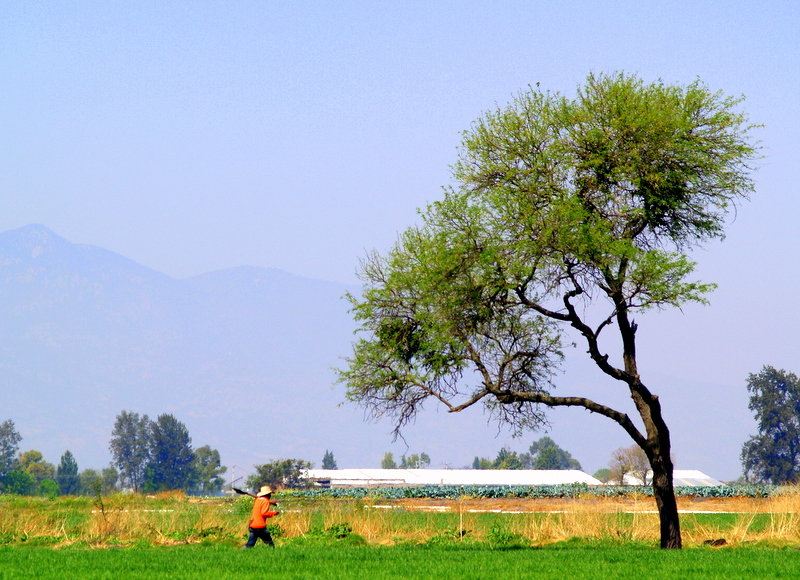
<point>243,356</point>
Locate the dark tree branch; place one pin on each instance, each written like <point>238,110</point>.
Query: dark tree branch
<point>509,397</point>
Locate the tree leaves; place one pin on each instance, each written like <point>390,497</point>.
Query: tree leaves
<point>773,456</point>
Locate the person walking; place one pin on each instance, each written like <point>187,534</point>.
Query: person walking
<point>258,519</point>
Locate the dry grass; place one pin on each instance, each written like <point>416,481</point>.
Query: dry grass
<point>170,519</point>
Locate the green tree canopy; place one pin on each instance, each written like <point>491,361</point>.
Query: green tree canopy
<point>773,456</point>
<point>67,475</point>
<point>603,474</point>
<point>415,461</point>
<point>388,461</point>
<point>9,445</point>
<point>545,454</point>
<point>109,477</point>
<point>90,481</point>
<point>48,488</point>
<point>559,203</point>
<point>130,447</point>
<point>507,459</point>
<point>208,469</point>
<point>281,473</point>
<point>19,482</point>
<point>171,456</point>
<point>328,462</point>
<point>33,462</point>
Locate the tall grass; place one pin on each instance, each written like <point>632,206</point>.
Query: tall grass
<point>171,519</point>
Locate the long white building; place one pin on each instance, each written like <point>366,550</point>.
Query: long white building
<point>412,477</point>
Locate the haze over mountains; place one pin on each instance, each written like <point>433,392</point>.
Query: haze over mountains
<point>241,355</point>
<point>244,357</point>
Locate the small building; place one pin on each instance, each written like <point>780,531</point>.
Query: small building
<point>463,477</point>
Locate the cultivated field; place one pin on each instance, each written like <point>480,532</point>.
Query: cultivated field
<point>173,519</point>
<point>171,536</point>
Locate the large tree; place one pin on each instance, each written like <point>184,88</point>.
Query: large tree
<point>208,469</point>
<point>9,445</point>
<point>773,456</point>
<point>33,462</point>
<point>130,447</point>
<point>544,453</point>
<point>67,474</point>
<point>171,455</point>
<point>568,215</point>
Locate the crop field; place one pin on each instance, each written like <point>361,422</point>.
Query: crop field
<point>173,536</point>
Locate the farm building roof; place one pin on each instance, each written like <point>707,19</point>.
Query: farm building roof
<point>403,477</point>
<point>689,477</point>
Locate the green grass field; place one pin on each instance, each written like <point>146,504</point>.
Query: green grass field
<point>574,560</point>
<point>125,537</point>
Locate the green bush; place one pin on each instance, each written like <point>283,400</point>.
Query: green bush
<point>501,537</point>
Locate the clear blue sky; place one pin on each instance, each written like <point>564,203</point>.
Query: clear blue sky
<point>193,136</point>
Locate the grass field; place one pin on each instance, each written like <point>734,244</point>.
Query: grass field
<point>575,560</point>
<point>171,536</point>
<point>125,521</point>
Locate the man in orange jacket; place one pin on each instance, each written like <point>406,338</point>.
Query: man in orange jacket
<point>258,519</point>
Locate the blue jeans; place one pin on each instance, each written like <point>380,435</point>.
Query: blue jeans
<point>255,534</point>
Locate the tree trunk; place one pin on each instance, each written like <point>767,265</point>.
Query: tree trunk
<point>664,493</point>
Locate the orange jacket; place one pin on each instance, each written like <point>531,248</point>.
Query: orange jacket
<point>261,512</point>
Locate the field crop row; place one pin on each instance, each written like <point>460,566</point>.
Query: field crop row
<point>528,491</point>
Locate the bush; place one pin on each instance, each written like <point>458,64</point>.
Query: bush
<point>500,537</point>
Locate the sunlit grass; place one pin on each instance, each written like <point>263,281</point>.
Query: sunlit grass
<point>172,519</point>
<point>577,560</point>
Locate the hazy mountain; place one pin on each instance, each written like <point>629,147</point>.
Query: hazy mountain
<point>241,355</point>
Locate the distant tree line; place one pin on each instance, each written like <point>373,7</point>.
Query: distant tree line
<point>542,454</point>
<point>28,473</point>
<point>148,456</point>
<point>158,455</point>
<point>412,461</point>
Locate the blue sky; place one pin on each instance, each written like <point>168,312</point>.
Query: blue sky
<point>193,136</point>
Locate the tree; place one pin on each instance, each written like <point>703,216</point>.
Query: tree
<point>19,482</point>
<point>171,455</point>
<point>328,462</point>
<point>48,488</point>
<point>90,480</point>
<point>415,461</point>
<point>388,461</point>
<point>33,462</point>
<point>281,473</point>
<point>9,445</point>
<point>109,476</point>
<point>545,454</point>
<point>130,447</point>
<point>67,477</point>
<point>630,460</point>
<point>507,459</point>
<point>603,474</point>
<point>208,469</point>
<point>773,456</point>
<point>567,215</point>
<point>105,481</point>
